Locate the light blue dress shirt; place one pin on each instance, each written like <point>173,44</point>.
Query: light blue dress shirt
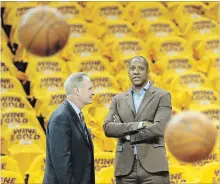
<point>137,98</point>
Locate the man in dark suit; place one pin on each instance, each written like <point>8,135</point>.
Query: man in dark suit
<point>138,118</point>
<point>70,156</point>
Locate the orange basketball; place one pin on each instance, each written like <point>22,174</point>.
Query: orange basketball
<point>43,31</point>
<point>190,136</point>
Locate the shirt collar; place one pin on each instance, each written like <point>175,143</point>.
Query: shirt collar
<point>77,109</point>
<point>144,88</point>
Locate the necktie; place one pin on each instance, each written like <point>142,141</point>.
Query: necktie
<point>83,124</point>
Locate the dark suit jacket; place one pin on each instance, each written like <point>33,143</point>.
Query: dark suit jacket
<point>69,156</point>
<point>154,108</point>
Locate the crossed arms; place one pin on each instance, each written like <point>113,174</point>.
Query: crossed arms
<point>138,131</point>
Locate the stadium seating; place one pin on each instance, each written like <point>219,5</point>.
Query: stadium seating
<point>179,39</point>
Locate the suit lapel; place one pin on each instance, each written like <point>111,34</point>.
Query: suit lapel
<point>130,102</point>
<point>148,96</point>
<point>76,121</point>
<point>89,138</point>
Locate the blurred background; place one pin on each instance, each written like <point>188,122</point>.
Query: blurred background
<point>180,41</point>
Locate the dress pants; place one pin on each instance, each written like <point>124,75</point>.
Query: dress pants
<point>139,175</point>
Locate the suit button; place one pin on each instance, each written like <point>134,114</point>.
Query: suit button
<point>136,138</point>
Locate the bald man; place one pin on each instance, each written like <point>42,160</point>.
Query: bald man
<point>138,118</point>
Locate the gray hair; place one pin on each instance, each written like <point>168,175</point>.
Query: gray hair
<point>74,81</point>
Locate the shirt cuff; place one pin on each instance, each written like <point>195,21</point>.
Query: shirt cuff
<point>141,125</point>
<point>128,138</point>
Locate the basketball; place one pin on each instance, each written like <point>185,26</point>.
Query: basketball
<point>190,136</point>
<point>43,31</point>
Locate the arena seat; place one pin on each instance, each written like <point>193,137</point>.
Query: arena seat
<point>204,96</point>
<point>206,46</point>
<point>105,97</point>
<point>25,136</point>
<point>90,65</point>
<point>212,111</point>
<point>46,84</point>
<point>186,11</point>
<point>200,27</point>
<point>50,101</point>
<point>45,66</point>
<point>213,10</point>
<point>214,78</point>
<point>11,100</point>
<point>29,152</point>
<point>180,174</point>
<point>11,84</point>
<point>80,28</point>
<point>9,164</point>
<point>103,81</point>
<point>149,11</point>
<point>70,10</point>
<point>7,67</point>
<point>174,65</point>
<point>36,170</point>
<point>103,12</point>
<point>159,28</point>
<point>166,47</point>
<point>127,46</point>
<point>190,80</point>
<point>117,29</point>
<point>82,47</point>
<point>210,173</point>
<point>10,177</point>
<point>16,117</point>
<point>103,159</point>
<point>25,142</point>
<point>106,176</point>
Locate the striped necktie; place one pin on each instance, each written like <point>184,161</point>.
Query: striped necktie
<point>83,124</point>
